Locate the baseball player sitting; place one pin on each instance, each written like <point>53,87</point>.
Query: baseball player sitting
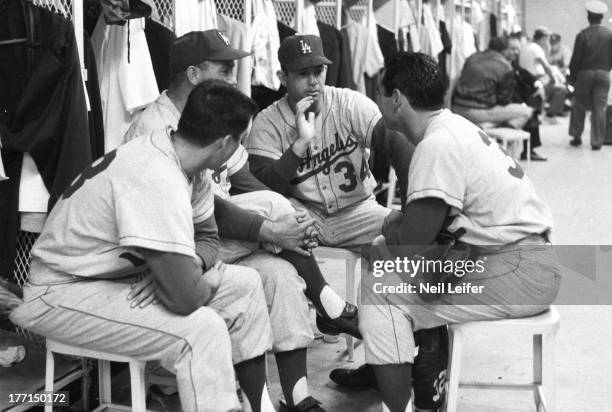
<point>130,213</point>
<point>198,56</point>
<point>461,181</point>
<point>312,145</point>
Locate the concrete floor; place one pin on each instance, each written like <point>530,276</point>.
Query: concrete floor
<point>577,185</point>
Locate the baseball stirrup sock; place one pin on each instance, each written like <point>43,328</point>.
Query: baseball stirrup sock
<point>308,269</point>
<point>292,374</point>
<point>251,375</point>
<point>332,302</point>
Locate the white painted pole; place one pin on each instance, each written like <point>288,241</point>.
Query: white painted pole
<point>299,10</point>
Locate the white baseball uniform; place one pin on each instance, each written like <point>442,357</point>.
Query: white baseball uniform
<point>333,181</point>
<point>495,202</point>
<point>139,197</point>
<point>282,286</point>
<point>163,113</point>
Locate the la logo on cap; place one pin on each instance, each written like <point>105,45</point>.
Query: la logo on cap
<point>305,47</point>
<point>224,38</point>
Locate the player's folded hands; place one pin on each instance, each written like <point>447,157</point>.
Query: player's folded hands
<point>142,293</point>
<point>290,232</point>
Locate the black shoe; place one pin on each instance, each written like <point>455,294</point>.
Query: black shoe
<point>534,156</point>
<point>596,147</point>
<point>309,404</point>
<point>348,322</point>
<point>358,379</point>
<point>575,142</point>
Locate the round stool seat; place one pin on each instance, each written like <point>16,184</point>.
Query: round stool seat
<point>545,322</point>
<point>507,133</point>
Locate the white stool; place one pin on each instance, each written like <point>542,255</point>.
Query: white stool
<point>351,258</point>
<point>137,375</point>
<point>507,134</point>
<point>543,327</point>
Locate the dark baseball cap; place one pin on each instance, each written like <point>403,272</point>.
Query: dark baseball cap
<point>301,51</point>
<point>194,47</point>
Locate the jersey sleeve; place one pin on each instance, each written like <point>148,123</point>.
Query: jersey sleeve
<point>438,170</point>
<point>363,114</point>
<point>157,214</point>
<point>202,197</point>
<point>237,160</point>
<point>265,139</point>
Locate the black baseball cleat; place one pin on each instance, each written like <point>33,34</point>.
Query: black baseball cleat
<point>309,404</point>
<point>358,379</point>
<point>575,142</point>
<point>347,322</point>
<point>596,147</point>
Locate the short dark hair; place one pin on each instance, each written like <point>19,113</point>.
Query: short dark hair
<point>499,44</point>
<point>540,34</point>
<point>416,76</point>
<point>215,109</point>
<point>594,18</point>
<point>555,38</point>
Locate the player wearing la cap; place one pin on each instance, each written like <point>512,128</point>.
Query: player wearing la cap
<point>198,56</point>
<point>130,213</point>
<point>312,145</point>
<point>590,75</point>
<point>461,180</point>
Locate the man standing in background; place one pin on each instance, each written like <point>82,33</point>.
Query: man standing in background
<point>590,75</point>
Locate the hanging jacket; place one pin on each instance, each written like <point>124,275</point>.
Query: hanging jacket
<point>334,47</point>
<point>42,109</point>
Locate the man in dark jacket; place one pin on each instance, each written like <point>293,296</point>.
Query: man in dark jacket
<point>590,75</point>
<point>486,87</point>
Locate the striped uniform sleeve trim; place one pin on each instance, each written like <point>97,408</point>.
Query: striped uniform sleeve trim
<point>371,127</point>
<point>203,216</point>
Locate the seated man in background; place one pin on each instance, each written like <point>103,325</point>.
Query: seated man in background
<point>530,91</point>
<point>258,215</point>
<point>129,214</point>
<point>487,92</point>
<point>312,145</point>
<point>533,58</point>
<point>486,86</point>
<point>559,55</point>
<point>464,185</point>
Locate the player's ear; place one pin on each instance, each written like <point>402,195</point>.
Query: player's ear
<point>397,99</point>
<point>192,74</point>
<point>227,141</point>
<point>282,77</point>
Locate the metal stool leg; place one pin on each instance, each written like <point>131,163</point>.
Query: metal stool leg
<point>454,369</point>
<point>104,381</point>
<point>49,378</point>
<point>351,298</point>
<point>544,372</point>
<point>137,375</point>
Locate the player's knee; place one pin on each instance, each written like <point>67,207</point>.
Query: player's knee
<point>278,204</point>
<point>246,281</point>
<point>206,320</point>
<point>278,274</point>
<point>205,327</point>
<point>371,318</point>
